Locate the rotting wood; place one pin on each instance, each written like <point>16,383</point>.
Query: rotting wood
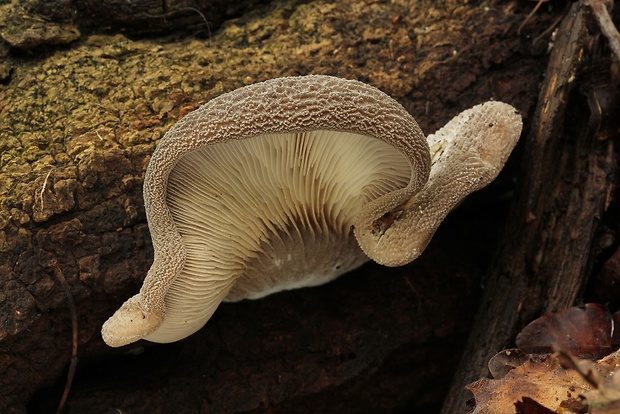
<point>31,23</point>
<point>568,173</point>
<point>90,114</point>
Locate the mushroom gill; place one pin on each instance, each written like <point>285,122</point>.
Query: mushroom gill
<point>270,213</point>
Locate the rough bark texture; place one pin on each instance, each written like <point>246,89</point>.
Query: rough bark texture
<point>551,241</point>
<point>77,127</point>
<point>31,23</point>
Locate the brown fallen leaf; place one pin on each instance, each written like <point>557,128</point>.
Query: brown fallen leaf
<point>587,332</point>
<point>603,375</point>
<point>502,362</point>
<point>558,383</point>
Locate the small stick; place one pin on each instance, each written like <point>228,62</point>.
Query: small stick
<point>529,16</point>
<point>44,187</point>
<point>74,327</point>
<point>182,9</point>
<point>601,14</point>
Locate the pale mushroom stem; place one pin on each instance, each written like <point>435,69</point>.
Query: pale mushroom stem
<point>467,154</point>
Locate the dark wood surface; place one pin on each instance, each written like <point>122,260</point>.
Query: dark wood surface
<point>79,122</point>
<point>554,233</point>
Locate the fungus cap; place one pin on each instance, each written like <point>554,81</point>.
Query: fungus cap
<point>258,190</point>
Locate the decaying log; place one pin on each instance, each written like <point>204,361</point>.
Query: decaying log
<point>32,23</point>
<point>569,174</point>
<point>77,127</point>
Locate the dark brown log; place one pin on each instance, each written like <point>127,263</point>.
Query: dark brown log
<point>31,24</point>
<point>77,127</point>
<point>139,16</point>
<point>569,174</point>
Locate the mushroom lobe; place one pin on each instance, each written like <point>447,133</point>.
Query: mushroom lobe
<point>257,192</point>
<point>290,183</point>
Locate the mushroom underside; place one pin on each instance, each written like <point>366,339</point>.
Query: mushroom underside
<point>270,213</point>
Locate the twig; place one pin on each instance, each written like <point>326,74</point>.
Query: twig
<point>182,9</point>
<point>74,327</point>
<point>601,14</point>
<point>44,187</point>
<point>555,23</point>
<point>529,16</point>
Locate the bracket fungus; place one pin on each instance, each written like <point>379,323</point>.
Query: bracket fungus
<point>290,183</point>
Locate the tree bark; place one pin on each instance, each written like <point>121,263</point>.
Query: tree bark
<point>569,174</point>
<point>77,127</point>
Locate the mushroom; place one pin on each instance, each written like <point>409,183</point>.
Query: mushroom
<point>290,183</point>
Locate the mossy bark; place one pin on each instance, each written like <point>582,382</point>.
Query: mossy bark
<point>78,124</point>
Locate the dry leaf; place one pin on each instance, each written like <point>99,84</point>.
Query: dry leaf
<point>583,331</point>
<point>540,378</point>
<point>578,387</point>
